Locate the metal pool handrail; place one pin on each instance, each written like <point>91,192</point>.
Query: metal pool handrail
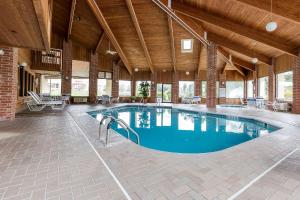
<point>121,123</point>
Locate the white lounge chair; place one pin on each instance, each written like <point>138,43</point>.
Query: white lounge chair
<point>37,101</point>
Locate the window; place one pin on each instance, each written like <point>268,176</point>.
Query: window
<point>186,45</point>
<point>80,78</point>
<point>80,87</point>
<point>124,88</point>
<point>234,89</point>
<point>250,89</point>
<point>284,82</point>
<point>186,88</point>
<point>263,89</point>
<point>137,88</point>
<point>104,87</point>
<point>50,85</point>
<point>203,89</point>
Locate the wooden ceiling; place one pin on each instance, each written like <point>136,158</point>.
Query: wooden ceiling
<point>148,36</point>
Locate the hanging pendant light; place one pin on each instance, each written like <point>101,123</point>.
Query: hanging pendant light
<point>272,25</point>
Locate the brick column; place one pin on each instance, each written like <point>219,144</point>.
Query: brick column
<point>93,77</point>
<point>115,80</point>
<point>222,84</point>
<point>296,83</point>
<point>255,82</point>
<point>133,84</point>
<point>271,72</point>
<point>175,87</point>
<point>66,68</point>
<point>153,86</point>
<point>197,88</point>
<point>8,83</point>
<point>211,73</point>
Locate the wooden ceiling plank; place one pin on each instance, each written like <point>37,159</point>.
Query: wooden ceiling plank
<point>163,5</point>
<point>99,42</point>
<point>232,26</point>
<point>100,17</point>
<point>221,40</point>
<point>71,19</point>
<point>279,11</point>
<point>140,33</point>
<point>172,39</point>
<point>44,16</point>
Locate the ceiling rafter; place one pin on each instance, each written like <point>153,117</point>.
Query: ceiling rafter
<point>173,50</point>
<point>99,42</point>
<point>228,59</point>
<point>224,68</point>
<point>71,19</point>
<point>164,7</point>
<point>100,17</point>
<point>232,26</point>
<point>140,33</point>
<point>277,10</point>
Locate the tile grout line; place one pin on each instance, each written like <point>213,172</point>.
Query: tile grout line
<point>238,193</point>
<point>102,160</point>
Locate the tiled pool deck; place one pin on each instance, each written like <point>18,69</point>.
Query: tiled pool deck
<point>46,156</point>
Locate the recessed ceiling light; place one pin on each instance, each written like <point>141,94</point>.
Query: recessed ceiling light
<point>77,18</point>
<point>187,73</point>
<point>136,69</point>
<point>164,70</point>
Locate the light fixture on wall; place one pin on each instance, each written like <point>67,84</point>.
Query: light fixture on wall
<point>23,64</point>
<point>136,69</point>
<point>187,73</point>
<point>254,60</point>
<point>272,25</point>
<point>1,52</point>
<point>164,70</point>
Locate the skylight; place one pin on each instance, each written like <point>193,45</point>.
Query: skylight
<point>186,45</point>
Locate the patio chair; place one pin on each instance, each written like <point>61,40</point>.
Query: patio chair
<point>196,99</point>
<point>243,102</point>
<point>34,107</point>
<point>115,100</point>
<point>55,105</point>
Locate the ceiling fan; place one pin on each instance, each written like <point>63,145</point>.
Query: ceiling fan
<point>109,51</point>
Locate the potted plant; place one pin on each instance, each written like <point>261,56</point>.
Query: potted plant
<point>133,98</point>
<point>144,90</point>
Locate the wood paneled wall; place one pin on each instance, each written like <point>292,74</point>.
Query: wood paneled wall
<point>283,63</point>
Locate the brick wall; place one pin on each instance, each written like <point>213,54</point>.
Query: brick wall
<point>8,83</point>
<point>211,75</point>
<point>271,72</point>
<point>175,87</point>
<point>38,85</point>
<point>222,84</point>
<point>115,80</point>
<point>296,83</point>
<point>66,67</point>
<point>93,77</point>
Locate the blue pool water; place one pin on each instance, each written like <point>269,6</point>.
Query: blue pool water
<point>181,131</point>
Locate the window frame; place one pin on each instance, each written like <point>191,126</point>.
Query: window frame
<point>130,88</point>
<point>183,50</point>
<point>237,97</point>
<point>277,79</point>
<point>189,82</point>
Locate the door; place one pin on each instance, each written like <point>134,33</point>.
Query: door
<point>164,91</point>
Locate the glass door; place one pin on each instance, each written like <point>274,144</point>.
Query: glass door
<point>164,91</point>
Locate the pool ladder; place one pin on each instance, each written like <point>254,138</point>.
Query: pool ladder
<point>121,122</point>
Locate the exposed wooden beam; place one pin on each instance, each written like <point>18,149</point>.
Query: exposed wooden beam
<point>224,68</point>
<point>199,64</point>
<point>173,50</point>
<point>140,33</point>
<point>99,42</point>
<point>232,26</point>
<point>228,59</point>
<point>288,9</point>
<point>163,4</point>
<point>221,40</point>
<point>100,17</point>
<point>44,16</point>
<point>244,64</point>
<point>71,19</point>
